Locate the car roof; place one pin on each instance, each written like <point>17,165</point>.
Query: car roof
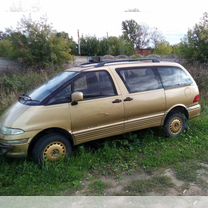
<point>121,64</point>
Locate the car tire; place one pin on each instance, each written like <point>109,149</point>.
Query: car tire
<point>51,147</point>
<point>175,124</point>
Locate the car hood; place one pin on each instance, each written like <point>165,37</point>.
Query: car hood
<point>9,118</point>
<point>30,118</point>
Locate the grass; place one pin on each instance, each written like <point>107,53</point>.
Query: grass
<point>24,178</point>
<point>187,171</point>
<point>97,187</point>
<point>145,150</point>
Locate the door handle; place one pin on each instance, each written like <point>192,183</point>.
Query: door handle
<point>117,101</point>
<point>128,99</point>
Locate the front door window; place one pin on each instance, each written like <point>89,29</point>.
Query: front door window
<point>95,85</point>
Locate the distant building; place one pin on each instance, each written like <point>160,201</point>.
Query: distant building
<point>144,51</point>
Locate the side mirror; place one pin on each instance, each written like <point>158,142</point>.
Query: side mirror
<point>75,97</point>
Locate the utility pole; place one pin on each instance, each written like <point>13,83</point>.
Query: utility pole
<point>79,49</point>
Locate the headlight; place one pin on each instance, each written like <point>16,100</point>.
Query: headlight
<point>11,131</point>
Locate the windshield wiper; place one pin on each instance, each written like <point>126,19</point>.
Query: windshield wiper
<point>26,97</point>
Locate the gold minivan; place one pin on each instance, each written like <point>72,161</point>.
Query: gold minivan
<point>95,101</point>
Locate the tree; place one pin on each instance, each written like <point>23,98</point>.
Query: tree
<point>69,40</point>
<point>156,38</point>
<point>126,48</point>
<point>3,35</point>
<point>113,46</point>
<point>163,48</point>
<point>119,46</point>
<point>138,35</point>
<point>89,46</point>
<point>37,45</point>
<point>194,46</point>
<point>144,37</point>
<point>103,47</point>
<point>6,48</point>
<point>130,30</point>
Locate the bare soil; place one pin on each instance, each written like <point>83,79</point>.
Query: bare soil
<point>117,186</point>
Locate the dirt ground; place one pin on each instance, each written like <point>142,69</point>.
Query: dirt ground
<point>124,184</point>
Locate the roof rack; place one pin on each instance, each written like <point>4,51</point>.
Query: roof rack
<point>103,63</point>
<point>93,60</point>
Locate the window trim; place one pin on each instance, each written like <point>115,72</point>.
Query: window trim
<point>154,70</point>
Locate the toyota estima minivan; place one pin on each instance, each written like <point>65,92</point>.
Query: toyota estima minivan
<point>95,101</point>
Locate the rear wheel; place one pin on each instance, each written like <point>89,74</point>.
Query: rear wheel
<point>175,124</point>
<point>51,147</point>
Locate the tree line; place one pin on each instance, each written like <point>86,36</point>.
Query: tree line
<point>194,46</point>
<point>36,44</point>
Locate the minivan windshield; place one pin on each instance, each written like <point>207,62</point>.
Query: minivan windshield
<point>42,92</point>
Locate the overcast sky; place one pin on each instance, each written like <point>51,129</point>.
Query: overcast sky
<point>96,17</point>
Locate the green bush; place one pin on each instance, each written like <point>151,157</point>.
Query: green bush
<point>92,46</point>
<point>36,45</point>
<point>194,47</point>
<point>6,48</point>
<point>163,48</point>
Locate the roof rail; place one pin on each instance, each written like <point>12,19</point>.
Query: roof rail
<point>103,63</point>
<point>92,60</point>
<point>89,64</point>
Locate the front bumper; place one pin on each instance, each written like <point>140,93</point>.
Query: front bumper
<point>4,148</point>
<point>16,145</point>
<point>14,149</point>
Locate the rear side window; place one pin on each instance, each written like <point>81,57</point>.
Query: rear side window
<point>174,77</point>
<point>95,84</point>
<point>139,79</point>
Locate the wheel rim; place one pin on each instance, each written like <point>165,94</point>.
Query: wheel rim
<point>54,151</point>
<point>176,126</point>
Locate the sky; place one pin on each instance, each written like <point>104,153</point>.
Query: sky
<point>172,18</point>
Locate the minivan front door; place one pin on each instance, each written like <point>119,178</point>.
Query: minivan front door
<point>101,113</point>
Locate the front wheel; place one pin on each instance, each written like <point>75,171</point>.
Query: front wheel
<point>51,147</point>
<point>175,124</point>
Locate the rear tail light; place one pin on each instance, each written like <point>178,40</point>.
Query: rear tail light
<point>196,99</point>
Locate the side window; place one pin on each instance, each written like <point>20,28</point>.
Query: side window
<point>63,96</point>
<point>174,77</point>
<point>95,84</point>
<point>139,79</point>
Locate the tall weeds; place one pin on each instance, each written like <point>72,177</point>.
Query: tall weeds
<point>12,84</point>
<point>200,74</point>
